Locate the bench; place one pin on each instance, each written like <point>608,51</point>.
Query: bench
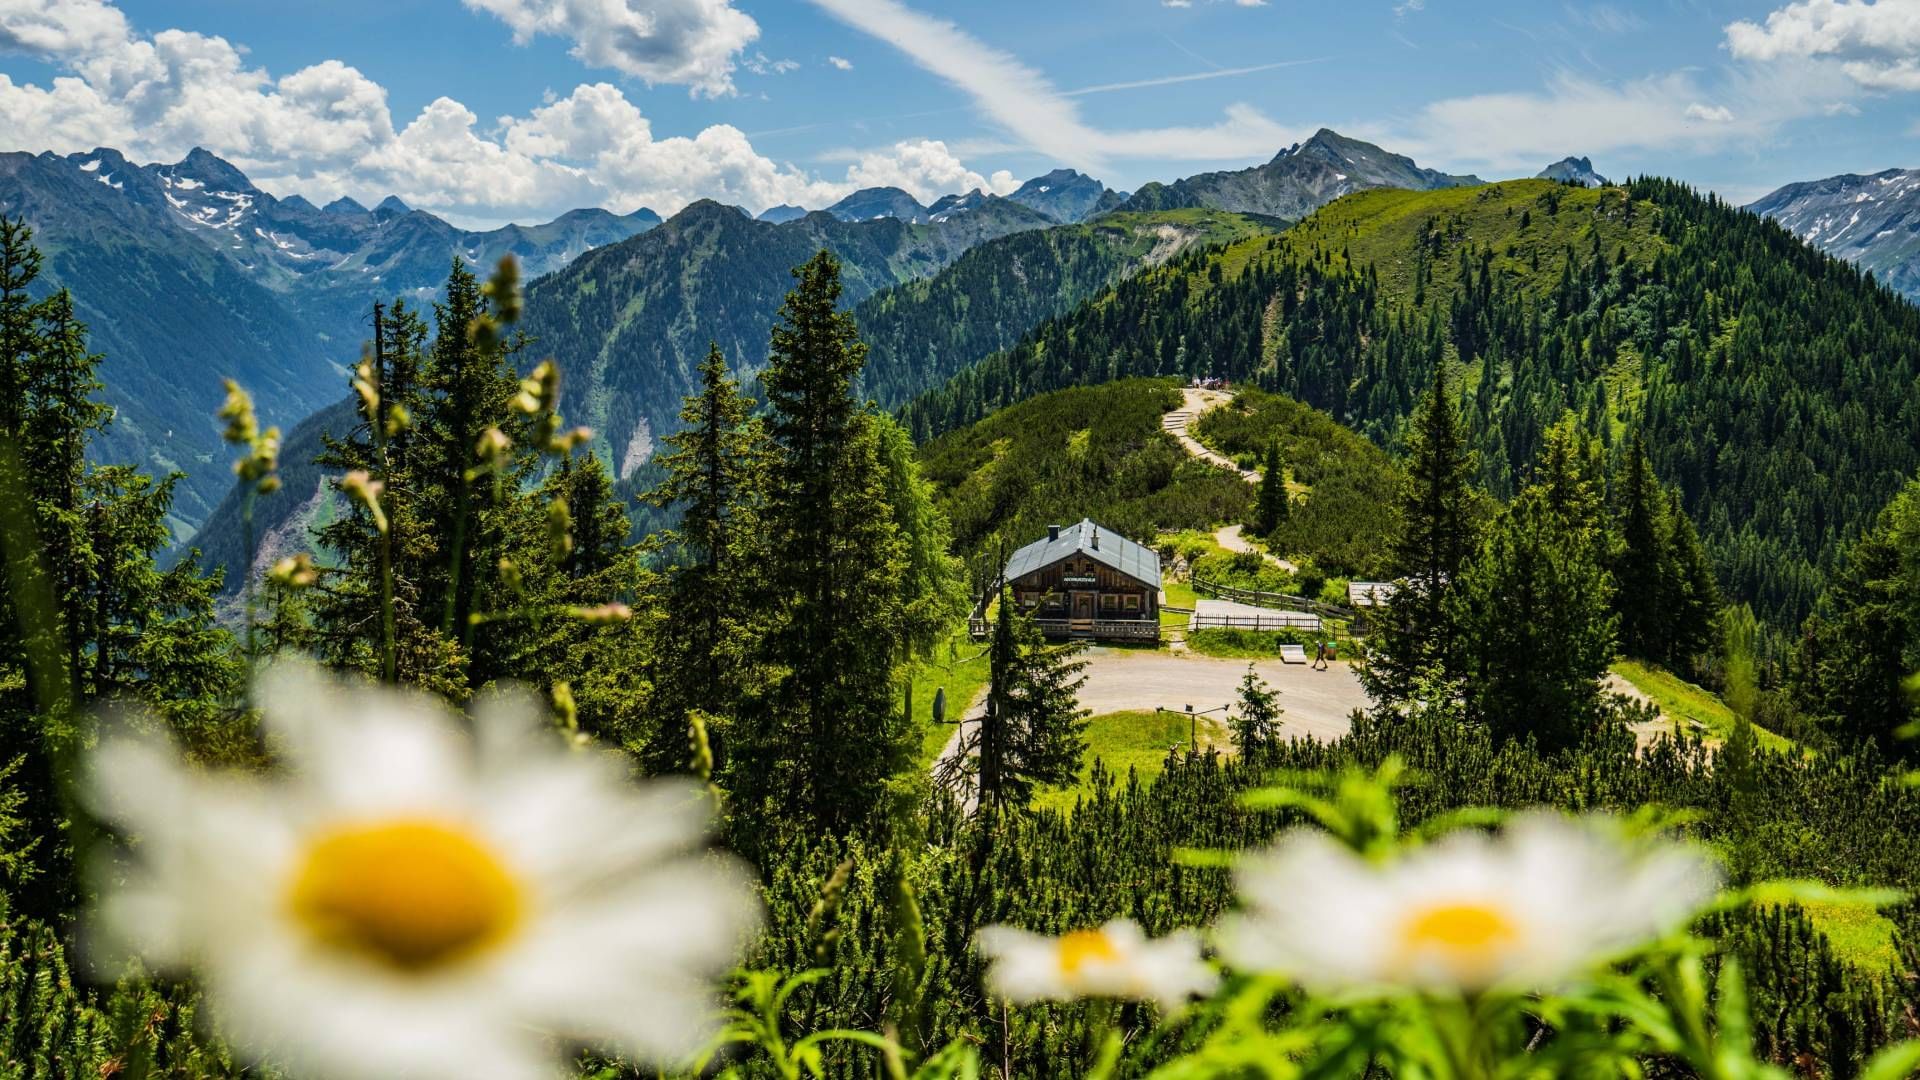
<point>1293,654</point>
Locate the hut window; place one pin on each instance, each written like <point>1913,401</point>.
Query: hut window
<point>1109,602</point>
<point>1133,603</point>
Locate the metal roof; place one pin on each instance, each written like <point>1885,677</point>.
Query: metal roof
<point>1137,561</point>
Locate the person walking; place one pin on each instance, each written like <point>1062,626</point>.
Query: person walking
<point>1319,656</point>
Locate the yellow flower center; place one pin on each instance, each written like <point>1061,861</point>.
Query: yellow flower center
<point>1469,935</point>
<point>415,894</point>
<point>1080,947</point>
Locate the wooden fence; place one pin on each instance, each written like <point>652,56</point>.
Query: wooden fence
<point>1289,620</point>
<point>1270,599</point>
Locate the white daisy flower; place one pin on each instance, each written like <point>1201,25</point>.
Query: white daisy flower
<point>1115,961</point>
<point>406,900</point>
<point>1543,902</point>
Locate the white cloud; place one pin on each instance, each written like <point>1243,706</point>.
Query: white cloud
<point>1503,133</point>
<point>840,62</point>
<point>685,42</point>
<point>760,65</point>
<point>1876,44</point>
<point>925,169</point>
<point>326,130</point>
<point>59,27</point>
<point>1027,104</point>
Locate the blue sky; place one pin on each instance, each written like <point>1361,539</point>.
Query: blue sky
<point>492,110</point>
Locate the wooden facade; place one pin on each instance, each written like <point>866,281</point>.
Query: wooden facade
<point>1086,582</point>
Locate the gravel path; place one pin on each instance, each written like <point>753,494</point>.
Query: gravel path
<point>1317,703</point>
<point>1233,538</point>
<point>1193,403</point>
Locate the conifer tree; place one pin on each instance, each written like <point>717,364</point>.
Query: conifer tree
<point>1256,727</point>
<point>1695,589</point>
<point>932,581</point>
<point>712,478</point>
<point>1033,727</point>
<point>1639,574</point>
<point>823,737</point>
<point>1856,654</point>
<point>1416,632</point>
<point>1534,607</point>
<point>83,539</point>
<point>1272,505</point>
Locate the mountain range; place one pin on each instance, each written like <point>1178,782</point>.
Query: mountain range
<point>1062,197</point>
<point>188,273</point>
<point>1299,180</point>
<point>1872,221</point>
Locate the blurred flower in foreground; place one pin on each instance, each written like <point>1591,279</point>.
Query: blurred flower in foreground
<point>1115,961</point>
<point>1543,902</point>
<point>409,900</point>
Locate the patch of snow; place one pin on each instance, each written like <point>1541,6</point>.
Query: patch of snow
<point>1044,188</point>
<point>91,166</point>
<point>187,182</point>
<point>1339,176</point>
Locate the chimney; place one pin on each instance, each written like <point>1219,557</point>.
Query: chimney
<point>1053,532</point>
<point>1096,538</point>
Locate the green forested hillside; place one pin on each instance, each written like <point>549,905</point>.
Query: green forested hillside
<point>1099,452</point>
<point>1095,451</point>
<point>1774,384</point>
<point>1343,513</point>
<point>629,323</point>
<point>920,333</point>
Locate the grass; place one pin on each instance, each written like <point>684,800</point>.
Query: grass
<point>1677,697</point>
<point>1249,644</point>
<point>959,667</point>
<point>1859,935</point>
<point>1124,740</point>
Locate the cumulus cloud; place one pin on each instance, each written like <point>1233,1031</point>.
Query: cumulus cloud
<point>1711,114</point>
<point>685,42</point>
<point>1876,44</point>
<point>1026,103</point>
<point>840,62</point>
<point>59,27</point>
<point>326,130</point>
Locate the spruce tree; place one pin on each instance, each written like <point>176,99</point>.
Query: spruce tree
<point>1534,607</point>
<point>88,612</point>
<point>822,740</point>
<point>1416,633</point>
<point>1032,729</point>
<point>1272,505</point>
<point>1694,589</point>
<point>1256,727</point>
<point>712,478</point>
<point>1857,652</point>
<point>1640,571</point>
